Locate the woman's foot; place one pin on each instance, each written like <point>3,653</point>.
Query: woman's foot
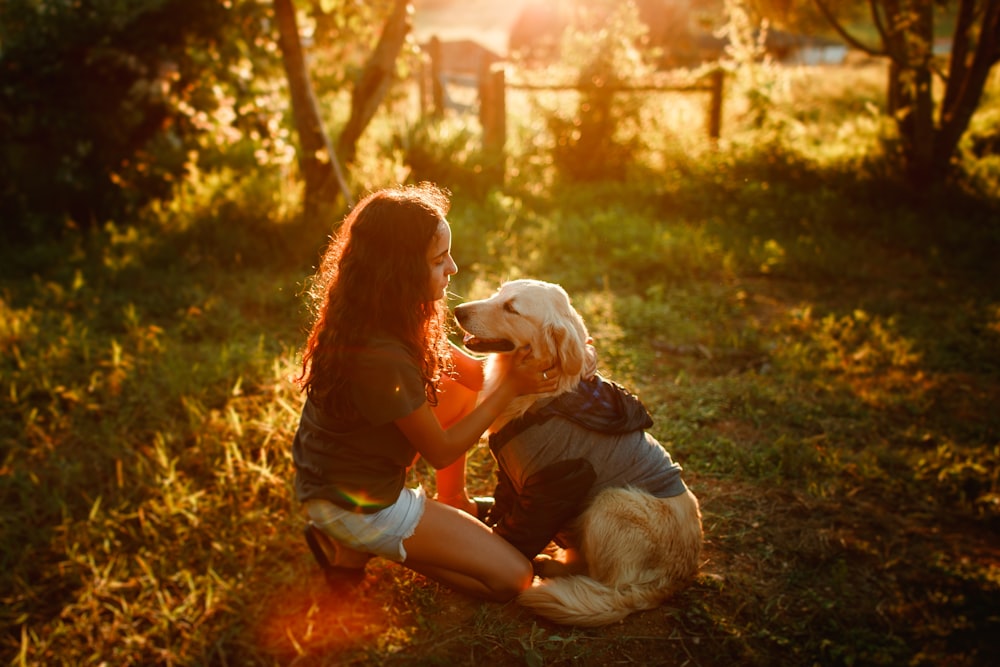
<point>484,505</point>
<point>331,554</point>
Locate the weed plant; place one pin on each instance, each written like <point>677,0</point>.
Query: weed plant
<point>818,348</point>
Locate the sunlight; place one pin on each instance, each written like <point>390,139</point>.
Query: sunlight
<point>308,618</point>
<point>361,500</point>
<point>815,333</point>
<point>485,21</point>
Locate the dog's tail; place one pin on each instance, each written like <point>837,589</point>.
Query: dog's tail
<point>580,600</point>
<point>639,549</point>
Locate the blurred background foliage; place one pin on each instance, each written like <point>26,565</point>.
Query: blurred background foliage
<point>107,106</point>
<point>816,338</point>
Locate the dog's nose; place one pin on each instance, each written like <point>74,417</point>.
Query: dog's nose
<point>461,312</point>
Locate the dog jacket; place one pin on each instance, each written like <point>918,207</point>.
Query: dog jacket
<point>554,459</point>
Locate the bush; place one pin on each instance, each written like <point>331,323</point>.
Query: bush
<point>603,136</point>
<point>107,104</point>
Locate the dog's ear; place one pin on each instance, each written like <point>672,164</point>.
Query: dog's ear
<point>568,345</point>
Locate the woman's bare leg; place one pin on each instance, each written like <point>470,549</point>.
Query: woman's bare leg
<point>455,549</point>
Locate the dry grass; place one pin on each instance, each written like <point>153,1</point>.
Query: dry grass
<point>819,352</point>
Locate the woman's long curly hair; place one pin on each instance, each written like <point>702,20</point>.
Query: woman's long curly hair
<point>374,279</point>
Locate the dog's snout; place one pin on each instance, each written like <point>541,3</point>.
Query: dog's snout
<point>461,312</point>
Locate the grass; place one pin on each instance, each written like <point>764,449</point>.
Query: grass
<point>818,349</point>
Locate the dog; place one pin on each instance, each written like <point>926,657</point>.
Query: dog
<point>577,466</point>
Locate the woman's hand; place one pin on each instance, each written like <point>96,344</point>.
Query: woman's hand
<point>525,375</point>
<point>442,447</point>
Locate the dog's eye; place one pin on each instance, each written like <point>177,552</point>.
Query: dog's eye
<point>509,307</point>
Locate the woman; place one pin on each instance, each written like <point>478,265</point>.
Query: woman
<point>384,385</point>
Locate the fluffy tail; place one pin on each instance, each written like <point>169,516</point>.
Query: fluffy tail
<point>580,600</point>
<point>638,549</point>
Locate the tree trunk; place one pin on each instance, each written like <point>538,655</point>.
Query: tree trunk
<point>318,163</point>
<point>371,86</point>
<point>918,144</point>
<point>907,33</point>
<point>967,77</point>
<point>893,49</point>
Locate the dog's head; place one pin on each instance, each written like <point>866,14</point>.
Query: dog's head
<point>528,312</point>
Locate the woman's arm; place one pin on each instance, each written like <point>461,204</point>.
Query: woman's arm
<point>442,447</point>
<point>468,368</point>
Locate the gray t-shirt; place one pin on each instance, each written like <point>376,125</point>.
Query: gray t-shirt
<point>361,464</point>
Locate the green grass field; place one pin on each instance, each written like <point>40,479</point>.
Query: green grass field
<point>820,350</point>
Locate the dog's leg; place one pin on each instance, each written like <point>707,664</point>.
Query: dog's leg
<point>560,563</point>
<point>574,561</point>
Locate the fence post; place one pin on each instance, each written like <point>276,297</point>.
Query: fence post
<point>423,81</point>
<point>715,105</point>
<point>493,115</point>
<point>437,88</point>
<point>492,107</point>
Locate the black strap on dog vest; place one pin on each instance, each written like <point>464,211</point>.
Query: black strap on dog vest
<point>596,404</point>
<point>515,427</point>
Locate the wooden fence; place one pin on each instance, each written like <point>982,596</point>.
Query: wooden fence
<point>492,85</point>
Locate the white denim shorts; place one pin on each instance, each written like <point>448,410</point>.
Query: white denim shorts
<point>381,533</point>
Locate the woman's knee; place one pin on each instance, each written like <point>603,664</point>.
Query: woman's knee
<point>457,549</point>
<point>513,579</point>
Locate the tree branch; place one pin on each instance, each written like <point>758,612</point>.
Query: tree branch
<point>842,31</point>
<point>895,47</point>
<point>375,78</point>
<point>993,34</point>
<point>968,91</point>
<point>316,157</point>
<point>958,67</point>
<point>877,20</point>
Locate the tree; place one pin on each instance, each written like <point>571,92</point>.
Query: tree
<point>906,35</point>
<point>320,164</point>
<point>377,74</point>
<point>602,48</point>
<point>317,160</point>
<point>105,103</point>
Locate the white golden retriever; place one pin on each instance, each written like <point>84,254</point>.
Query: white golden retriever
<point>578,467</point>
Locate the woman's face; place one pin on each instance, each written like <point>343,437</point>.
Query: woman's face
<point>439,261</point>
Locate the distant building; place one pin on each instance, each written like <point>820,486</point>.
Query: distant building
<point>794,49</point>
<point>537,32</point>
